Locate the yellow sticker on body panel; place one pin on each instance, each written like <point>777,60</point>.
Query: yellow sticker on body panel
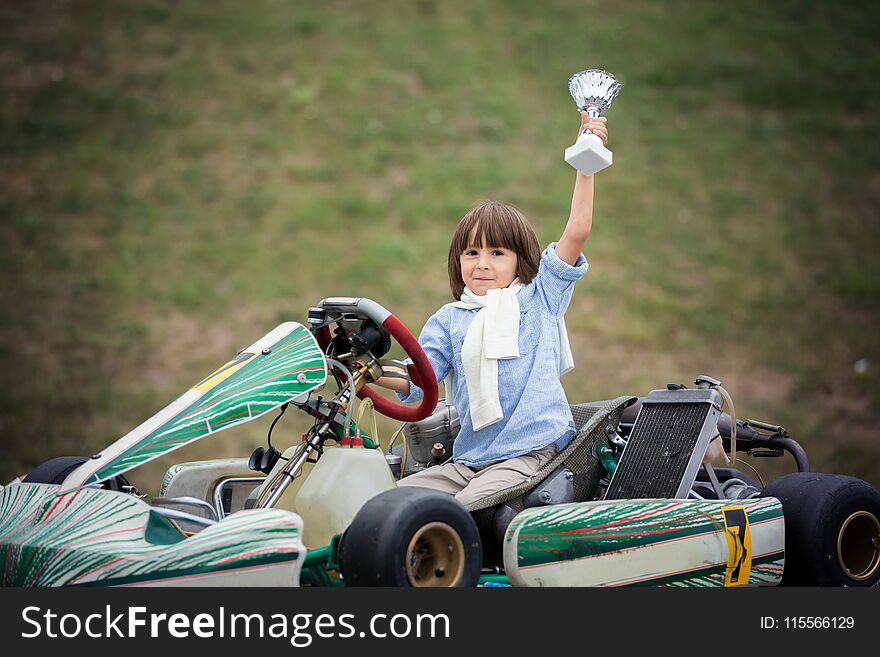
<point>739,544</point>
<point>224,372</point>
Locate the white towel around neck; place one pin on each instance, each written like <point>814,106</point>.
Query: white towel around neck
<point>492,335</point>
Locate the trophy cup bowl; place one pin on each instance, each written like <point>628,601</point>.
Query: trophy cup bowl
<point>592,90</point>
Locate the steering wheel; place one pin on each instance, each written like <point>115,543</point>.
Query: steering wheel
<point>421,371</point>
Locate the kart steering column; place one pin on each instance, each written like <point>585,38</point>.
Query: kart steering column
<point>284,477</point>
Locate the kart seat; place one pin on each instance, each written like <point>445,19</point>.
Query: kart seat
<point>594,421</point>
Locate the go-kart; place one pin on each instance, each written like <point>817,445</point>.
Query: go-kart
<point>647,493</point>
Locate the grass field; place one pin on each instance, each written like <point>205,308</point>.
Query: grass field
<point>176,178</point>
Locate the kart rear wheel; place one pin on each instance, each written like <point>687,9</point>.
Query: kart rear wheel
<point>832,529</point>
<point>411,537</point>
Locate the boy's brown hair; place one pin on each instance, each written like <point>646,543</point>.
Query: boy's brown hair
<point>500,225</point>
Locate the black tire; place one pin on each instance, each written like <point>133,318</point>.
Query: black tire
<point>411,537</point>
<point>55,471</point>
<point>832,529</point>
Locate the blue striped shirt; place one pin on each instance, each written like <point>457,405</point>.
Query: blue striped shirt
<point>535,408</point>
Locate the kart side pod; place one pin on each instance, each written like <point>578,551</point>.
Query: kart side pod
<point>648,543</point>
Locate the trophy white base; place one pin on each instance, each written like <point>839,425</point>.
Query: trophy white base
<point>588,155</point>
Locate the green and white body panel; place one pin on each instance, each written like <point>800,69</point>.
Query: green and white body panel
<point>95,537</point>
<point>648,543</point>
<point>282,366</point>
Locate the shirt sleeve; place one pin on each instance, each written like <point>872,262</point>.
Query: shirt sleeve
<point>437,344</point>
<point>555,280</point>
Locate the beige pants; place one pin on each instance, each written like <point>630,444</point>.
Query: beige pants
<point>472,484</point>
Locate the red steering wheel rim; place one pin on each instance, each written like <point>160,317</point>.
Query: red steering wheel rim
<point>421,373</point>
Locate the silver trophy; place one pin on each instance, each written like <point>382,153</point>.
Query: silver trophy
<point>592,90</point>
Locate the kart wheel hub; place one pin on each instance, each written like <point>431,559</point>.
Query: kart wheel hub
<point>858,545</point>
<point>435,556</point>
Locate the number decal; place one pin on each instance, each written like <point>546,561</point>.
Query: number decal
<point>739,544</point>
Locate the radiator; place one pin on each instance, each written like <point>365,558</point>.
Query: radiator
<point>666,445</point>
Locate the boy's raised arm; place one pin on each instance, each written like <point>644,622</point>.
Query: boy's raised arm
<point>580,219</point>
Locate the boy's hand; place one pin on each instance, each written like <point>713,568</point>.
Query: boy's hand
<point>596,126</point>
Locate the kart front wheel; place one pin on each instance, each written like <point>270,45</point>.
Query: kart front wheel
<point>55,471</point>
<point>411,537</point>
<point>832,529</point>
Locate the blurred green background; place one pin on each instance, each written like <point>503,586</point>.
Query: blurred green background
<point>179,177</point>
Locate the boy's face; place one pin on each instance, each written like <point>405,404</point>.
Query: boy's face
<point>485,268</point>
